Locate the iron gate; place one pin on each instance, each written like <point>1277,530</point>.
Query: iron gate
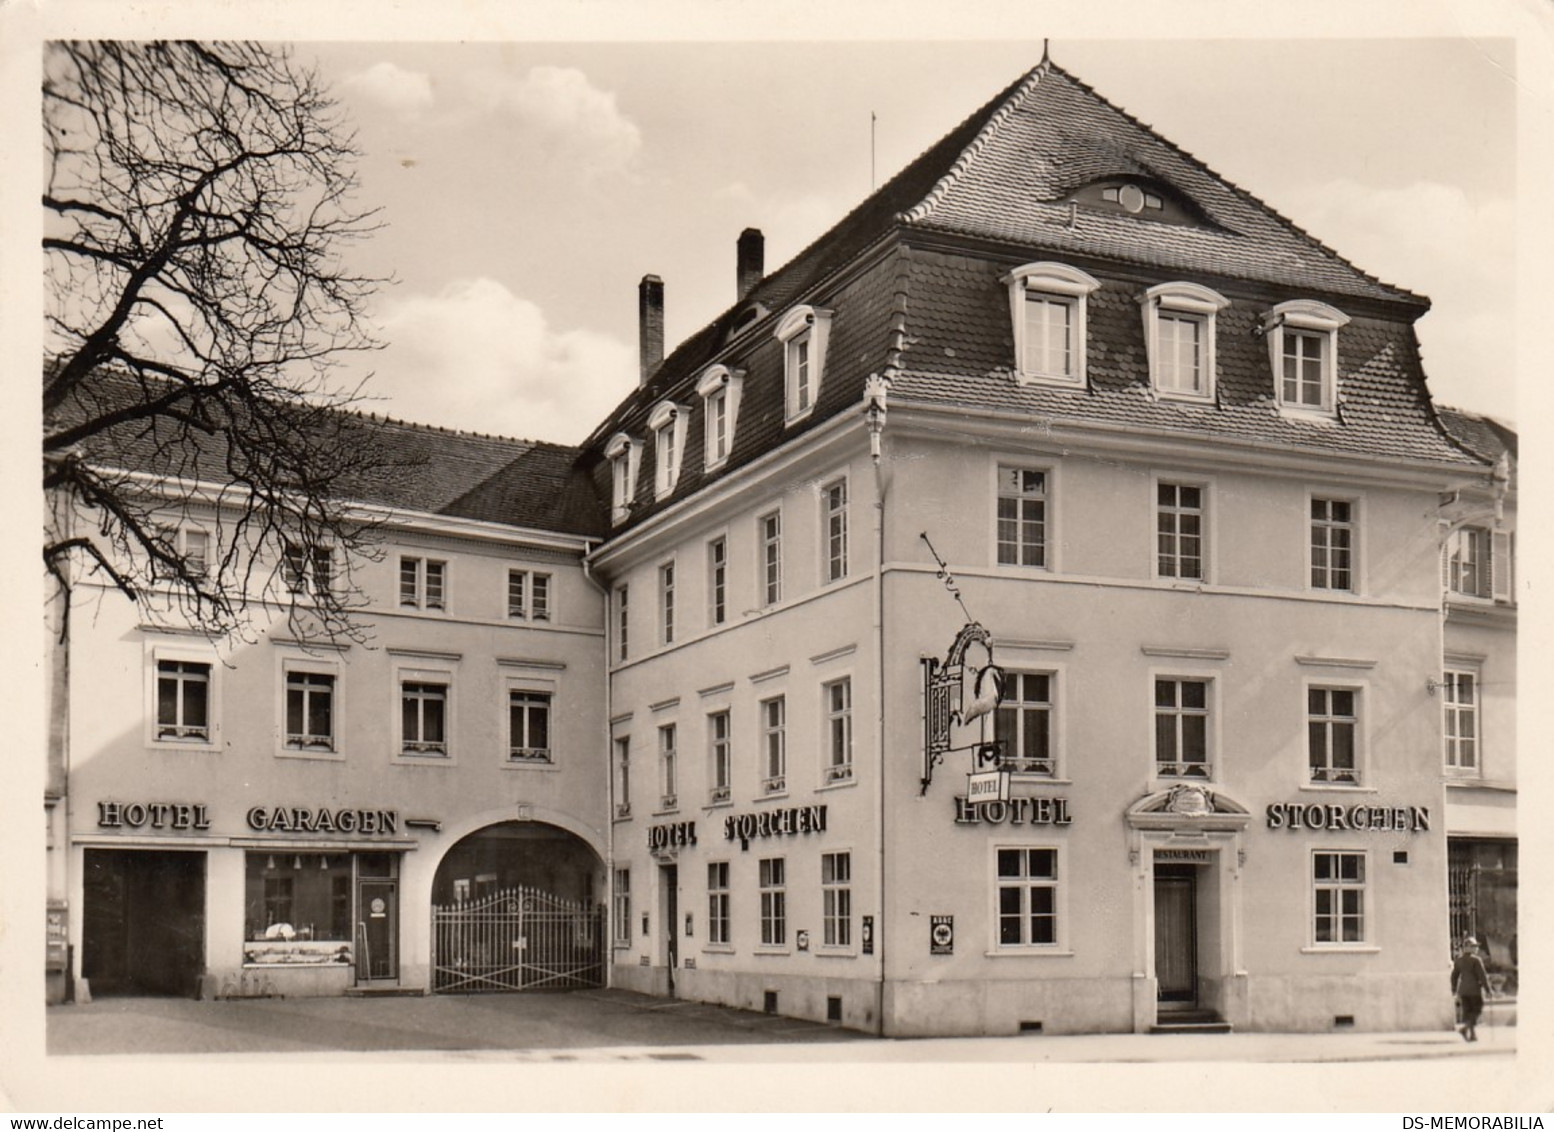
<point>516,939</point>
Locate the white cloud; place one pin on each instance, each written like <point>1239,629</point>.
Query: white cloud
<point>406,92</point>
<point>478,357</point>
<point>1435,240</point>
<point>565,116</point>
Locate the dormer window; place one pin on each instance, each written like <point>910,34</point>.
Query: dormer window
<point>1303,352</point>
<point>719,388</point>
<point>623,453</point>
<point>667,422</point>
<point>1179,339</point>
<point>804,332</point>
<point>1047,305</point>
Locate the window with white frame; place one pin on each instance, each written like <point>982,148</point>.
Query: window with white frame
<point>668,769</point>
<point>310,710</point>
<point>1022,516</point>
<point>1179,339</point>
<point>836,899</point>
<point>623,776</point>
<point>1332,544</point>
<point>803,332</point>
<point>1337,897</point>
<point>192,544</point>
<point>1333,735</point>
<point>834,495</point>
<point>1027,890</point>
<point>621,910</point>
<point>1182,728</point>
<point>1459,691</point>
<point>1469,569</point>
<point>1303,351</point>
<point>667,422</point>
<point>624,454</point>
<point>719,388</point>
<point>838,699</point>
<point>307,571</point>
<point>528,726</point>
<point>771,557</point>
<point>1179,533</point>
<point>717,581</point>
<point>774,901</point>
<point>423,717</point>
<point>1022,723</point>
<point>528,595</point>
<point>622,622</point>
<point>666,603</point>
<point>1047,304</point>
<point>718,903</point>
<point>774,745</point>
<point>720,747</point>
<point>423,583</point>
<point>183,701</point>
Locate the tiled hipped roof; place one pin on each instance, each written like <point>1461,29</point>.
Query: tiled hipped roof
<point>1000,185</point>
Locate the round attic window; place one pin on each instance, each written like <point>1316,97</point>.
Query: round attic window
<point>1131,197</point>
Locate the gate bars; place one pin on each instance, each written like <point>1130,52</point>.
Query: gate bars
<point>516,939</point>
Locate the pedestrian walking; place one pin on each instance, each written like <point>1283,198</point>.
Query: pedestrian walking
<point>1470,983</point>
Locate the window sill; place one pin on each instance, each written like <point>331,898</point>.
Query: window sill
<point>1340,949</point>
<point>777,796</point>
<point>1054,380</point>
<point>772,949</point>
<point>1028,953</point>
<point>1180,398</point>
<point>530,764</point>
<point>1304,415</point>
<point>1031,778</point>
<point>720,804</point>
<point>1339,787</point>
<point>332,756</point>
<point>422,760</point>
<point>183,745</point>
<point>717,949</point>
<point>839,784</point>
<point>795,418</point>
<point>824,952</point>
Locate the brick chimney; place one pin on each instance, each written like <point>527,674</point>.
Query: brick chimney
<point>650,324</point>
<point>752,260</point>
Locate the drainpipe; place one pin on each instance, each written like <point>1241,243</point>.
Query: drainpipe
<point>606,945</point>
<point>875,391</point>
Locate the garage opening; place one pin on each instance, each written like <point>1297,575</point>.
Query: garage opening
<point>143,922</point>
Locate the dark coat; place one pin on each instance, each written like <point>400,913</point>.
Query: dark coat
<point>1469,979</point>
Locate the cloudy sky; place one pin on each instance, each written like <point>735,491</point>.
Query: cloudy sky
<point>527,186</point>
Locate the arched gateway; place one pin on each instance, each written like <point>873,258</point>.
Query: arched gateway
<point>515,907</point>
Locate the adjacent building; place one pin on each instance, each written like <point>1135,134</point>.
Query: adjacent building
<point>1022,611</point>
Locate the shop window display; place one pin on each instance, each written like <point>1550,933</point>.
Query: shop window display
<point>297,908</point>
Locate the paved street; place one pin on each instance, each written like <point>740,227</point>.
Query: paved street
<point>614,1024</point>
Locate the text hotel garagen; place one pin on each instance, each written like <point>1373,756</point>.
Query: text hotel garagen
<point>298,819</point>
<point>1382,819</point>
<point>1029,811</point>
<point>774,823</point>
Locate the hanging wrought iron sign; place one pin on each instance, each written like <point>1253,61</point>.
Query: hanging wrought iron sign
<point>957,691</point>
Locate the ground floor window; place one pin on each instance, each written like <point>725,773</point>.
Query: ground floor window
<point>622,908</point>
<point>717,902</point>
<point>1027,883</point>
<point>836,895</point>
<point>1338,892</point>
<point>297,907</point>
<point>774,901</point>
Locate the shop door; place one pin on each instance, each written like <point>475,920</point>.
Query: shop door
<point>377,930</point>
<point>1176,935</point>
<point>143,922</point>
<point>669,882</point>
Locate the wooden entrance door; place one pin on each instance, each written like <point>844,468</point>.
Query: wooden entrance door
<point>669,879</point>
<point>378,902</point>
<point>143,928</point>
<point>1176,934</point>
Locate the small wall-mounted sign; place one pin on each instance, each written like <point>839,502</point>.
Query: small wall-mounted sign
<point>802,938</point>
<point>690,923</point>
<point>941,935</point>
<point>987,786</point>
<point>644,923</point>
<point>868,935</point>
<point>1184,856</point>
<point>690,964</point>
<point>644,961</point>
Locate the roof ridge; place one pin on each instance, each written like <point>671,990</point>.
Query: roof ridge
<point>421,426</point>
<point>1245,194</point>
<point>925,207</point>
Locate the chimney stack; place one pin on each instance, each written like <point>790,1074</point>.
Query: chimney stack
<point>752,260</point>
<point>650,324</point>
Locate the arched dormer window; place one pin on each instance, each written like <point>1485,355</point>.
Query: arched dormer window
<point>719,389</point>
<point>1047,306</point>
<point>1179,338</point>
<point>624,454</point>
<point>667,423</point>
<point>804,332</point>
<point>1303,353</point>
